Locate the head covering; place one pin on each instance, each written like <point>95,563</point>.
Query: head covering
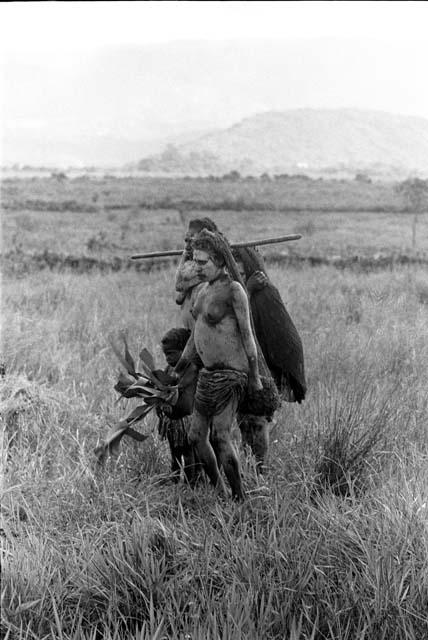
<point>276,333</point>
<point>203,223</point>
<point>251,259</point>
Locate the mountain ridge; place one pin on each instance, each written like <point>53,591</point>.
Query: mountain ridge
<point>308,139</point>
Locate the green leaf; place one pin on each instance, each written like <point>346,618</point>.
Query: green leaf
<point>121,358</point>
<point>138,414</point>
<point>140,437</point>
<point>128,358</point>
<point>147,359</point>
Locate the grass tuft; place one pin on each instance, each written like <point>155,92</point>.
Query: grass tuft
<point>331,543</point>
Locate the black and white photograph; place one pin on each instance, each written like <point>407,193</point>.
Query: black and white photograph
<point>214,320</point>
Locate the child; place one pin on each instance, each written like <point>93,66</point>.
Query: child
<point>174,421</point>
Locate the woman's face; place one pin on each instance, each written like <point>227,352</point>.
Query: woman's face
<point>206,268</point>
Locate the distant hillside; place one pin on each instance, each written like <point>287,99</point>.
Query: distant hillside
<point>306,140</point>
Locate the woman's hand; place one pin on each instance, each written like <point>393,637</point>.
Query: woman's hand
<point>256,282</point>
<point>175,377</point>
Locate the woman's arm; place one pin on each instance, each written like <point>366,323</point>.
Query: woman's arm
<point>242,312</point>
<point>187,356</point>
<point>186,392</point>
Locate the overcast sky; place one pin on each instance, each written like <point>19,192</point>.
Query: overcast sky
<point>141,70</point>
<point>35,26</point>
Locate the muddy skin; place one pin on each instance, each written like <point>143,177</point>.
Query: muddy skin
<point>223,339</point>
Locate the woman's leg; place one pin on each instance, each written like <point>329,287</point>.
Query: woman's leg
<point>199,437</point>
<point>225,450</point>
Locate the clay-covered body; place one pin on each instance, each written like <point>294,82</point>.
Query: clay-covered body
<point>223,339</point>
<point>217,335</point>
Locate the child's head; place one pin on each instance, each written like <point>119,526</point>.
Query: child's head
<point>173,343</point>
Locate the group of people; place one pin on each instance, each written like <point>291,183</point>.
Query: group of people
<point>236,356</point>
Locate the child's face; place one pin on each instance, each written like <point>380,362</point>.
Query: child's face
<point>172,356</point>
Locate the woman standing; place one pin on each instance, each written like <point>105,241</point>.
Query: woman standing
<point>223,339</point>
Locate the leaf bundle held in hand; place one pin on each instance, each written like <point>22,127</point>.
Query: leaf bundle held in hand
<point>154,387</point>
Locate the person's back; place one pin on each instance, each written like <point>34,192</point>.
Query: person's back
<point>276,333</point>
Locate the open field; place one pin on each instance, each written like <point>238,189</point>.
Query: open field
<point>332,544</point>
<point>282,194</point>
<point>46,221</point>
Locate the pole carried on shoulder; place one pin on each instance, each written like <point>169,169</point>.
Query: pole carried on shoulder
<point>236,245</point>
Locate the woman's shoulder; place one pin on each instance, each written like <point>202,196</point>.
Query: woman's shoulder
<point>237,290</point>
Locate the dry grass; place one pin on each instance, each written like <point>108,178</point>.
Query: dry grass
<point>109,217</point>
<point>331,544</point>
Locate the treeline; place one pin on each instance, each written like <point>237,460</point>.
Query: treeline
<point>18,263</point>
<point>232,191</point>
<point>172,161</point>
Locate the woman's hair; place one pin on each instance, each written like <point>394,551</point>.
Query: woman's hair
<point>203,223</point>
<point>213,243</point>
<point>218,247</point>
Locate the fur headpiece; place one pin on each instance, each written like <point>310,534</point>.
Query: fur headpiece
<point>203,223</point>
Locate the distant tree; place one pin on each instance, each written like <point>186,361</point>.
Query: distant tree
<point>362,177</point>
<point>59,175</point>
<point>415,193</point>
<point>146,164</point>
<point>234,176</point>
<point>171,158</point>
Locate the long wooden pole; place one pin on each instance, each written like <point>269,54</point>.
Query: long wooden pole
<point>236,245</point>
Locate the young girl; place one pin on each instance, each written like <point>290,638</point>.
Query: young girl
<point>174,421</point>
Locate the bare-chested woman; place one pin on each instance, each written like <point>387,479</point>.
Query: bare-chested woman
<point>223,339</point>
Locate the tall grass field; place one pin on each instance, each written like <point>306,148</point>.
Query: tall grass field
<point>331,542</point>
